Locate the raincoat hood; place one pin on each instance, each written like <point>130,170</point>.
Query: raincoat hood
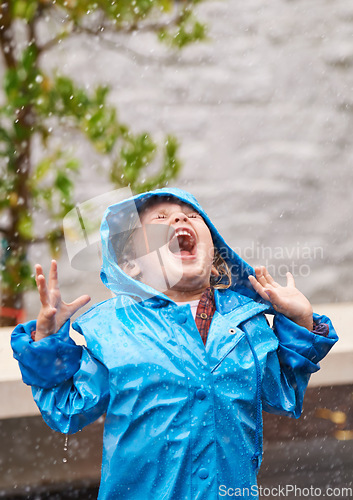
<point>115,222</point>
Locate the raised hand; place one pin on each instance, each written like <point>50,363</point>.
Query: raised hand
<point>54,312</point>
<point>287,300</point>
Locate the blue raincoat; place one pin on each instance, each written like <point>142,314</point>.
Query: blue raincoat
<point>183,420</point>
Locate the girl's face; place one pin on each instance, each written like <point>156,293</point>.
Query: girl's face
<point>184,260</point>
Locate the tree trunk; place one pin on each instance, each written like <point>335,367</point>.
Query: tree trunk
<point>12,296</point>
<point>12,301</point>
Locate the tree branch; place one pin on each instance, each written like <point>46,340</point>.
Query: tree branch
<point>43,239</point>
<point>97,32</point>
<point>123,49</point>
<point>6,35</point>
<point>153,27</point>
<point>51,43</point>
<point>5,231</point>
<point>35,239</point>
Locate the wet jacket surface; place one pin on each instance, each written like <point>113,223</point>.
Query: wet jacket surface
<point>183,420</point>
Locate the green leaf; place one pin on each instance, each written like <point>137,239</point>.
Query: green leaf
<point>136,155</point>
<point>25,226</point>
<point>6,144</point>
<point>25,9</point>
<point>72,164</point>
<point>166,5</point>
<point>54,238</point>
<point>63,183</point>
<point>188,31</point>
<point>101,94</point>
<point>29,58</point>
<point>43,168</point>
<point>169,170</point>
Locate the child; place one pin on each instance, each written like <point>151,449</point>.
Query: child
<point>182,360</point>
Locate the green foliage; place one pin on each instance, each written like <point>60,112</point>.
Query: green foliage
<point>121,11</point>
<point>24,226</point>
<point>16,273</point>
<point>188,30</point>
<point>54,189</point>
<point>21,83</point>
<point>41,106</point>
<point>169,170</point>
<point>24,9</point>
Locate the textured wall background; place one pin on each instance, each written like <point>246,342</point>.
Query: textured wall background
<point>264,112</point>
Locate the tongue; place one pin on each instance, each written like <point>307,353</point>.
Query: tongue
<point>186,244</point>
<point>182,245</point>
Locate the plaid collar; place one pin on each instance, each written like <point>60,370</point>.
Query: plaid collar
<point>204,313</point>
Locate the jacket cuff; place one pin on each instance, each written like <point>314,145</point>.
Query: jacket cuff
<point>321,329</point>
<point>299,341</point>
<point>48,362</point>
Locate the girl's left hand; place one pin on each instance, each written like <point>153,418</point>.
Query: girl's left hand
<point>287,300</point>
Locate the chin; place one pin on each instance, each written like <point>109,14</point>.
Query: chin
<point>193,281</point>
<point>189,273</point>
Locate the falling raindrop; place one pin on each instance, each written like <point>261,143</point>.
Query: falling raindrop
<point>66,446</point>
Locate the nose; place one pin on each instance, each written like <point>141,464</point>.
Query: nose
<point>179,217</point>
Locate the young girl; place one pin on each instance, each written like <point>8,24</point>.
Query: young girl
<point>182,360</point>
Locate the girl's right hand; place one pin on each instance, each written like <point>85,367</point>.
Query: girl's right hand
<point>54,312</point>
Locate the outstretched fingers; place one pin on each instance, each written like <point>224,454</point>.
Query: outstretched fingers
<point>264,284</point>
<point>264,277</point>
<point>260,275</point>
<point>269,278</point>
<point>42,286</point>
<point>258,287</point>
<point>53,275</point>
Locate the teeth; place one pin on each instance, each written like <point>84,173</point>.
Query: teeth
<point>182,233</point>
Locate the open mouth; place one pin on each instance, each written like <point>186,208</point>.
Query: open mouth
<point>183,243</point>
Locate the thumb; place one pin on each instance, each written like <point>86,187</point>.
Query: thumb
<point>290,279</point>
<point>78,303</point>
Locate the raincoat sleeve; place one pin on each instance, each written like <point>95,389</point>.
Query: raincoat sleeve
<point>288,369</point>
<point>69,385</point>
